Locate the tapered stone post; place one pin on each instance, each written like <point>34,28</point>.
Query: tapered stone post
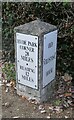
<point>35,57</point>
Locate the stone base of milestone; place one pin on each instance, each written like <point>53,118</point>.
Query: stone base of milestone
<point>45,95</point>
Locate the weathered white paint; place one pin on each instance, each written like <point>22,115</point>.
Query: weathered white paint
<point>49,57</point>
<point>27,60</point>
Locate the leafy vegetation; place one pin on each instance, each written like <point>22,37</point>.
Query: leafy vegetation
<point>57,102</point>
<point>9,71</point>
<point>60,14</point>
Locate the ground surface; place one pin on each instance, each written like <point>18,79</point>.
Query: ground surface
<point>14,106</point>
<point>19,107</point>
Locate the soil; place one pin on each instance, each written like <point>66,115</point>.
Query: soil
<point>14,106</point>
<point>19,107</point>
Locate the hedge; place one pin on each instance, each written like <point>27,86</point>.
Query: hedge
<point>60,14</point>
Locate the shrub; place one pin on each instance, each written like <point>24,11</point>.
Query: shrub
<point>9,71</point>
<point>58,13</point>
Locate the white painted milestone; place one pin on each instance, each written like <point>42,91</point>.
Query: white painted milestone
<point>27,59</point>
<point>49,57</point>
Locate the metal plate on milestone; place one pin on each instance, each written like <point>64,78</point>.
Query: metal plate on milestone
<point>27,60</point>
<point>49,57</point>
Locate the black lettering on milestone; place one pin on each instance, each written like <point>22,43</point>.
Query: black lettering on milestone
<point>46,61</point>
<point>29,49</point>
<point>28,59</point>
<point>49,72</point>
<point>50,45</point>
